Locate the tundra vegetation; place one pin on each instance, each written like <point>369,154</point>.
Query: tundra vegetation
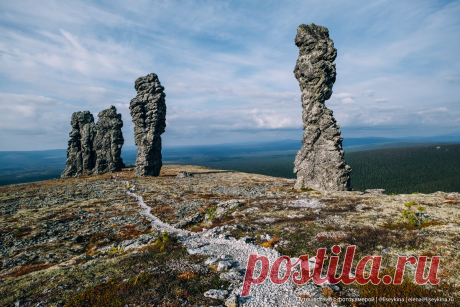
<point>83,242</point>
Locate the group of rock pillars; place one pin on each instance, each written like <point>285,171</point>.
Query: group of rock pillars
<point>95,149</point>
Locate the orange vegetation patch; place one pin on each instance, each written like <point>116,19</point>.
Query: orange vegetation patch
<point>168,172</point>
<point>271,243</point>
<point>26,270</point>
<point>130,231</point>
<point>127,232</point>
<point>304,297</point>
<point>128,227</point>
<point>161,208</point>
<point>451,201</point>
<point>187,275</point>
<point>327,291</point>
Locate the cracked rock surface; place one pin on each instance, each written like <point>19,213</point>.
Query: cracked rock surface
<point>108,142</point>
<point>94,149</point>
<point>148,111</point>
<point>320,163</point>
<point>80,153</point>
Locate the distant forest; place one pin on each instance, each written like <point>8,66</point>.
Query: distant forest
<point>424,169</point>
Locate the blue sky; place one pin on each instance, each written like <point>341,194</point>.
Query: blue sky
<point>227,67</point>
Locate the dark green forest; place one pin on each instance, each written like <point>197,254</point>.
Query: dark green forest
<point>424,169</point>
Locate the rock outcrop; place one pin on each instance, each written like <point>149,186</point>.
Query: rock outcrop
<point>148,111</point>
<point>94,150</point>
<point>184,174</point>
<point>319,164</point>
<point>108,142</point>
<point>80,153</point>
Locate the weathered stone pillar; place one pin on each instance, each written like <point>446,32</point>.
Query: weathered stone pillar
<point>108,142</point>
<point>319,164</point>
<point>80,153</point>
<point>148,111</point>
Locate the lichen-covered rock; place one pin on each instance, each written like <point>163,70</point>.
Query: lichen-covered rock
<point>183,174</point>
<point>232,301</point>
<point>108,142</point>
<point>216,294</point>
<point>319,164</point>
<point>80,153</point>
<point>148,111</point>
<point>192,219</point>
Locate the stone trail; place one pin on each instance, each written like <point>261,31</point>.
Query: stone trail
<point>223,249</point>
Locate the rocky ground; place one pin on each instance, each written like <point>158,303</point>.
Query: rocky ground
<point>86,242</point>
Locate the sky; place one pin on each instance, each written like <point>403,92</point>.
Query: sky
<point>227,67</point>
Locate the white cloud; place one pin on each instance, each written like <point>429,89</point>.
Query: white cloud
<point>369,93</point>
<point>453,79</point>
<point>437,110</point>
<point>345,98</point>
<point>60,63</point>
<point>31,121</point>
<point>343,95</point>
<point>227,67</point>
<point>348,100</point>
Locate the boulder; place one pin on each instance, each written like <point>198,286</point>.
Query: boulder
<point>192,219</point>
<point>216,294</point>
<point>232,301</point>
<point>183,174</point>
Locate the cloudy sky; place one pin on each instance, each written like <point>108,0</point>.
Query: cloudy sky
<point>227,67</point>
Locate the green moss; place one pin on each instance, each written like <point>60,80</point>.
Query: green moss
<point>165,237</point>
<point>303,188</point>
<point>116,250</point>
<point>211,212</point>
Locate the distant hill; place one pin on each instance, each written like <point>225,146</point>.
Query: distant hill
<point>28,166</point>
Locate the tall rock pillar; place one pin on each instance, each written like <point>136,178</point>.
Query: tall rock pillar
<point>108,142</point>
<point>80,153</point>
<point>320,163</point>
<point>148,111</point>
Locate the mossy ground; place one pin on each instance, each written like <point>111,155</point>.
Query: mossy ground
<point>368,221</point>
<point>144,278</point>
